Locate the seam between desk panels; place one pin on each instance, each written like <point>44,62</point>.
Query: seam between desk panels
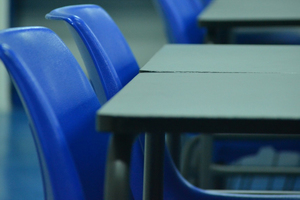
<point>215,72</point>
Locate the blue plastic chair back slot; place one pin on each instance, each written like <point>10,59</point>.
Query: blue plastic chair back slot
<point>102,46</point>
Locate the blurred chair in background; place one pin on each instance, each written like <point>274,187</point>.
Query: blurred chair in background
<point>180,20</point>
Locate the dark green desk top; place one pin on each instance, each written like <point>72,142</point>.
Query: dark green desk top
<point>230,13</point>
<point>226,59</point>
<point>205,102</point>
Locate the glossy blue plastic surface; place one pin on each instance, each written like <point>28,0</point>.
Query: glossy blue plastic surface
<point>206,2</point>
<point>180,20</point>
<point>177,188</point>
<point>61,106</point>
<point>102,46</point>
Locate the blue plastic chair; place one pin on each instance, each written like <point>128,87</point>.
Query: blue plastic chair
<point>180,20</point>
<point>61,106</point>
<point>103,47</point>
<point>101,44</point>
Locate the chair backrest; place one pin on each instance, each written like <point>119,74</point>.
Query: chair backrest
<point>101,44</point>
<point>61,107</point>
<point>103,47</point>
<point>180,20</point>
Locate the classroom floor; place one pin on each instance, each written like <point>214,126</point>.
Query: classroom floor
<point>19,168</point>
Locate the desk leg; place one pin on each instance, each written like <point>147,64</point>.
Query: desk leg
<point>223,36</point>
<point>219,36</point>
<point>117,183</point>
<point>154,166</point>
<point>206,146</point>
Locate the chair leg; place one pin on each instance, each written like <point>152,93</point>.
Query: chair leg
<point>154,166</point>
<point>117,182</point>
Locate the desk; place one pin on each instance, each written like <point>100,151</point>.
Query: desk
<point>222,15</point>
<point>232,103</point>
<point>225,59</point>
<point>221,59</point>
<point>199,102</point>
